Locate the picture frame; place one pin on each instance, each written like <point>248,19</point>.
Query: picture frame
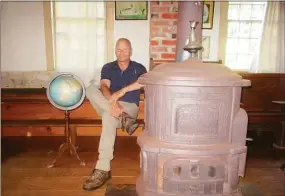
<point>208,14</point>
<point>131,10</point>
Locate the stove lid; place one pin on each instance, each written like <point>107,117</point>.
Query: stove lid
<point>193,73</point>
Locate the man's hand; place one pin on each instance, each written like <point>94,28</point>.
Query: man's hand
<point>117,95</point>
<point>116,109</point>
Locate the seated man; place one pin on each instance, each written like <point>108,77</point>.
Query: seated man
<point>117,103</point>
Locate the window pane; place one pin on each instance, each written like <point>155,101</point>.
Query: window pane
<point>96,10</point>
<point>233,12</point>
<point>245,12</point>
<point>81,28</point>
<point>72,27</point>
<point>232,45</point>
<point>244,29</point>
<point>257,12</point>
<point>61,46</point>
<point>101,10</point>
<point>233,29</point>
<point>253,45</point>
<point>256,29</point>
<point>231,60</point>
<point>100,48</point>
<point>243,61</point>
<point>243,46</point>
<point>61,27</point>
<point>70,9</point>
<point>78,43</point>
<point>79,59</point>
<point>78,28</point>
<point>100,26</point>
<point>245,2</point>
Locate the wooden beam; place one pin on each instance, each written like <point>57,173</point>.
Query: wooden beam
<point>48,35</point>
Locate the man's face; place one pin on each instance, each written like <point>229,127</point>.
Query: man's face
<point>123,51</point>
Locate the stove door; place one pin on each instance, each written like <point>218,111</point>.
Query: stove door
<point>193,176</point>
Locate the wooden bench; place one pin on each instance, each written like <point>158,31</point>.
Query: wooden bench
<point>257,100</point>
<point>27,112</point>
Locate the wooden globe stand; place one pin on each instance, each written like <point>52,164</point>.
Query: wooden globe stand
<point>68,145</point>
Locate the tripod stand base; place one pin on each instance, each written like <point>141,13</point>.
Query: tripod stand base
<point>72,151</point>
<point>69,145</point>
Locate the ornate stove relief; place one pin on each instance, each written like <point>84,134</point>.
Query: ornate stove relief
<point>197,116</point>
<point>197,119</point>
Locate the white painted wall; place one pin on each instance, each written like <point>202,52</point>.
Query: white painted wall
<point>138,32</point>
<point>22,37</point>
<point>214,34</point>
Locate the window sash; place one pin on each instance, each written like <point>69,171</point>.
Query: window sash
<point>79,44</point>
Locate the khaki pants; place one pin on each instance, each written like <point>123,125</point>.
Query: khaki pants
<point>109,124</point>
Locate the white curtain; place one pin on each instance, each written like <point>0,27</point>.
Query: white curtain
<point>80,31</point>
<point>270,55</point>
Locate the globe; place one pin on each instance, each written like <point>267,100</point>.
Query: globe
<point>66,91</point>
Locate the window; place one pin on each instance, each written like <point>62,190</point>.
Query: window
<point>79,36</point>
<point>245,21</point>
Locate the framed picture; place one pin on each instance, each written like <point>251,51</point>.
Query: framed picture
<point>206,47</point>
<point>131,10</point>
<point>208,14</point>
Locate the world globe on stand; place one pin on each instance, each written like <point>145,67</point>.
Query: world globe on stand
<point>66,91</point>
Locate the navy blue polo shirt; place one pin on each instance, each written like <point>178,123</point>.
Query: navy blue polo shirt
<point>119,79</point>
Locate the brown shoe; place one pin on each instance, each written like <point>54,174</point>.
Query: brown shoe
<point>129,124</point>
<point>96,180</point>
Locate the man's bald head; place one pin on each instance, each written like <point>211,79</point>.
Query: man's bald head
<point>123,49</point>
<point>124,41</point>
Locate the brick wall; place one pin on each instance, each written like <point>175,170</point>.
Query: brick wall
<point>163,30</point>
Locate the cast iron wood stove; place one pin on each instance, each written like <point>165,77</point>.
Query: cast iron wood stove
<point>194,141</point>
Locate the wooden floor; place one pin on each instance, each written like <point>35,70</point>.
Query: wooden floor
<point>24,172</point>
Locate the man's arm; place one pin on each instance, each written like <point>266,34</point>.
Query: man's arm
<point>131,87</point>
<point>105,88</point>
